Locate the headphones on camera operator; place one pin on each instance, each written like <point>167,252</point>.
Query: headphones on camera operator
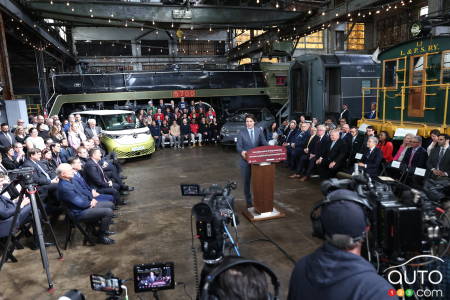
<point>334,191</point>
<point>228,263</point>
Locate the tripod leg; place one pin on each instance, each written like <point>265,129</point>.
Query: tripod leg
<point>46,220</point>
<point>40,236</point>
<point>11,230</point>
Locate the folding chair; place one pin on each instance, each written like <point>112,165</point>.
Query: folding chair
<point>71,223</point>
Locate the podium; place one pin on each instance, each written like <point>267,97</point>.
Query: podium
<point>263,161</point>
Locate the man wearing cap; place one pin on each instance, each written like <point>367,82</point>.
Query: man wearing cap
<point>336,270</point>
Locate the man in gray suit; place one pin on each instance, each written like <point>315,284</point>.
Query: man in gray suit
<point>249,138</point>
<point>438,163</point>
<point>92,130</point>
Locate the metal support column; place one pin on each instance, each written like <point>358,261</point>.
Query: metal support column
<point>5,71</point>
<point>42,76</point>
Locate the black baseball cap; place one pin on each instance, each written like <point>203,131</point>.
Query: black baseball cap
<point>343,217</point>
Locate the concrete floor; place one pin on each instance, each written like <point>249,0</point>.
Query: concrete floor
<point>155,226</point>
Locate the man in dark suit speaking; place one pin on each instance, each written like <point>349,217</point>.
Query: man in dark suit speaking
<point>249,138</point>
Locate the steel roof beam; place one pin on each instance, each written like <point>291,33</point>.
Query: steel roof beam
<point>13,9</point>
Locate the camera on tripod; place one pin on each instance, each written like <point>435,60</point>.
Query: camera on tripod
<point>404,222</point>
<point>24,175</point>
<point>213,215</point>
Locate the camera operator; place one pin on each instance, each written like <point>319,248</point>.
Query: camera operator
<point>244,281</point>
<point>336,270</point>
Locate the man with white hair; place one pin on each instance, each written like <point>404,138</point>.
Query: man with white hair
<point>372,157</point>
<point>83,208</point>
<point>92,130</point>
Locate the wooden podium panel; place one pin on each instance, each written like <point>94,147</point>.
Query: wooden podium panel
<point>262,160</point>
<point>263,187</point>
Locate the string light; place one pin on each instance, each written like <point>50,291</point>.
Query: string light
<point>323,13</point>
<point>276,5</point>
<point>90,10</point>
<point>67,3</point>
<point>309,12</point>
<point>132,19</point>
<point>210,29</point>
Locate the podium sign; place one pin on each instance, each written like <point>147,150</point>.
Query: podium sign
<point>263,179</point>
<point>266,154</point>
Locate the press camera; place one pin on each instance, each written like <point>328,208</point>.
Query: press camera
<point>212,215</point>
<point>405,222</point>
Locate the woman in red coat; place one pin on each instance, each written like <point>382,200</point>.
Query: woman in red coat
<point>385,146</point>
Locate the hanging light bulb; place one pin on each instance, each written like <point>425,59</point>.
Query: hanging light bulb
<point>228,29</point>
<point>192,27</point>
<point>142,28</point>
<point>90,10</point>
<point>294,9</point>
<point>132,19</point>
<point>73,9</point>
<point>157,32</point>
<point>323,13</point>
<point>109,20</point>
<point>309,12</point>
<point>153,22</point>
<point>210,29</point>
<point>257,1</point>
<point>377,11</point>
<point>276,5</point>
<point>349,15</point>
<point>92,16</point>
<point>337,14</point>
<point>51,2</point>
<point>126,24</point>
<point>112,15</point>
<point>67,3</point>
<point>171,25</point>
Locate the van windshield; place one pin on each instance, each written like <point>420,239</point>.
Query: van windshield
<point>119,121</point>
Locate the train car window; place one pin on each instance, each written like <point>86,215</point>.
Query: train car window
<point>433,68</point>
<point>417,70</point>
<point>390,73</point>
<point>445,67</point>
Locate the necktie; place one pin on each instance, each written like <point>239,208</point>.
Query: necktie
<point>332,145</point>
<point>9,138</point>
<point>441,155</point>
<point>411,157</point>
<point>372,115</point>
<point>42,170</point>
<point>104,178</point>
<point>252,136</point>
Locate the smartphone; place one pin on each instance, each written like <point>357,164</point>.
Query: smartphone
<point>103,284</point>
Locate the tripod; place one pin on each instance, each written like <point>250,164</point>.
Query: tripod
<point>26,182</point>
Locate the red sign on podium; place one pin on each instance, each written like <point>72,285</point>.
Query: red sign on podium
<point>183,93</point>
<point>266,154</point>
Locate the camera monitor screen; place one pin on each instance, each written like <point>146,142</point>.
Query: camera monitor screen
<point>190,190</point>
<point>100,283</point>
<point>153,277</point>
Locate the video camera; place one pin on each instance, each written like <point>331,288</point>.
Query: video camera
<point>213,215</point>
<point>404,221</point>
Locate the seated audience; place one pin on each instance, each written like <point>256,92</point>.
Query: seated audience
<point>57,134</point>
<point>66,152</point>
<point>56,154</point>
<point>19,154</point>
<point>34,141</point>
<point>185,131</point>
<point>214,131</point>
<point>333,158</point>
<point>299,144</point>
<point>43,131</point>
<point>97,179</point>
<point>83,208</point>
<point>370,131</point>
<point>416,156</point>
<point>372,157</point>
<point>165,134</point>
<point>7,139</point>
<point>9,161</point>
<point>345,135</point>
<point>434,134</point>
<point>315,150</point>
<point>204,130</point>
<point>47,163</point>
<point>438,163</point>
<point>403,147</point>
<point>175,135</point>
<point>195,133</point>
<point>386,146</point>
<point>92,129</point>
<point>20,135</point>
<point>47,185</point>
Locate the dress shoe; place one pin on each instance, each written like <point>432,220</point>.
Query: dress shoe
<point>123,177</point>
<point>304,178</point>
<point>114,216</point>
<point>123,193</point>
<point>131,188</point>
<point>105,240</point>
<point>294,176</point>
<point>123,202</point>
<point>108,233</point>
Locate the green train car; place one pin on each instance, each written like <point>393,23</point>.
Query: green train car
<point>414,88</point>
